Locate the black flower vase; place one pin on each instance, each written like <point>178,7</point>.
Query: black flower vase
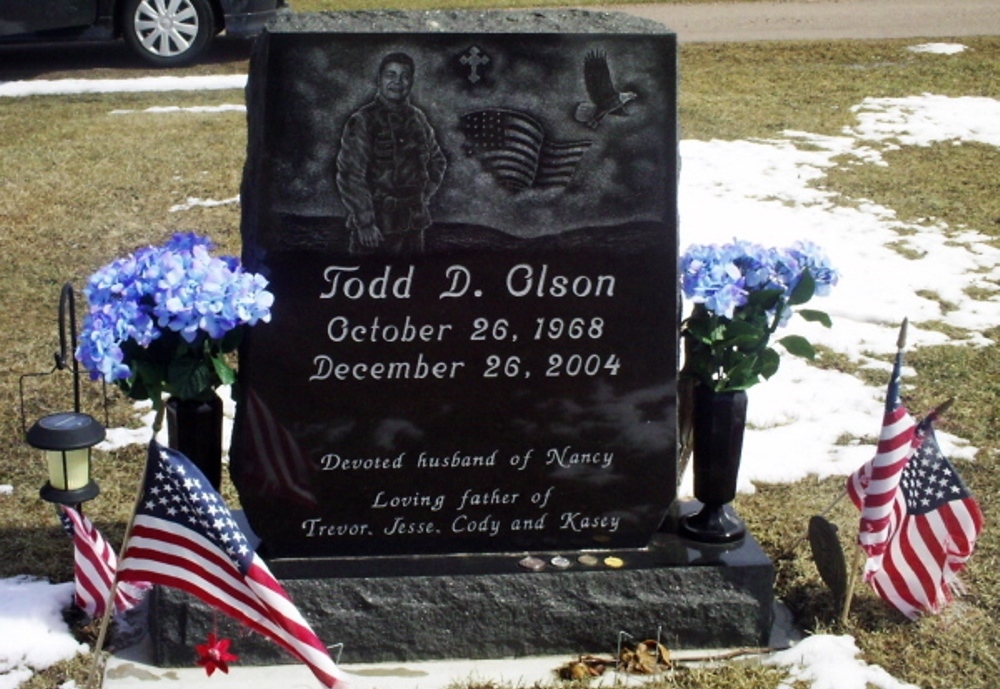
<point>194,428</point>
<point>719,423</point>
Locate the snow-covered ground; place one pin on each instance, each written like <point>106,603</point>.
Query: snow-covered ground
<point>757,190</point>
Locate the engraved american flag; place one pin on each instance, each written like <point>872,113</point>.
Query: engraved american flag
<point>514,148</point>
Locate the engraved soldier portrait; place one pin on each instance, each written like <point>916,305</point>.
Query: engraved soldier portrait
<point>389,166</point>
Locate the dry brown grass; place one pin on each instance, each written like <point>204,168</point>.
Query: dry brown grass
<point>330,5</point>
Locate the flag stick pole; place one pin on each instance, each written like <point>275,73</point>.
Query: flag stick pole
<point>845,610</point>
<point>804,536</point>
<point>942,408</point>
<point>109,605</point>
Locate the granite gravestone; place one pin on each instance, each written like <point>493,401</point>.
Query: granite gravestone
<point>472,242</point>
<point>457,437</point>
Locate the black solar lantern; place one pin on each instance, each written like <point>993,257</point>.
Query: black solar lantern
<point>67,437</point>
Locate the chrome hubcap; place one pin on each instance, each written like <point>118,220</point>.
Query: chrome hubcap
<point>166,28</point>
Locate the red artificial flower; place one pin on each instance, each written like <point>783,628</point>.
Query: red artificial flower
<point>214,653</point>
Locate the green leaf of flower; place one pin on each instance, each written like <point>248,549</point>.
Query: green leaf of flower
<point>223,370</point>
<point>699,329</point>
<point>188,377</point>
<point>147,382</point>
<point>816,317</point>
<point>742,382</point>
<point>742,374</point>
<point>766,299</point>
<point>798,345</point>
<point>803,291</point>
<point>742,328</point>
<point>744,335</point>
<point>769,362</point>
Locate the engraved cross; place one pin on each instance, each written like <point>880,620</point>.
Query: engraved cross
<point>474,59</point>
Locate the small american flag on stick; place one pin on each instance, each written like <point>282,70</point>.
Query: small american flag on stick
<point>94,564</point>
<point>919,522</point>
<point>873,488</point>
<point>184,536</point>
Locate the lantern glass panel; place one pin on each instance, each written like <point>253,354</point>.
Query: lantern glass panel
<point>69,469</point>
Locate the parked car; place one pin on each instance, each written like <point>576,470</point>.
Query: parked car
<point>166,33</point>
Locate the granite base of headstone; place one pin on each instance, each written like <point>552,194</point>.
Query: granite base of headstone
<point>457,437</point>
<point>490,606</point>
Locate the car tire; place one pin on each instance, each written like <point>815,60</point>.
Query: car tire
<point>168,33</point>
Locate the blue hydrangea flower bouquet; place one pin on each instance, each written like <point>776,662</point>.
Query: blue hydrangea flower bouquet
<point>163,319</point>
<point>741,294</point>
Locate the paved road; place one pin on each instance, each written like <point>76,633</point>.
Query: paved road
<point>825,19</point>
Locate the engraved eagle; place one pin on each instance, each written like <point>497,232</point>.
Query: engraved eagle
<point>605,98</point>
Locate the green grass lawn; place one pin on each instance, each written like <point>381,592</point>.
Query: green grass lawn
<point>80,186</point>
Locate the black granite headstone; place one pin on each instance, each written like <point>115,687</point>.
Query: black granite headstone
<point>457,437</point>
<point>469,223</point>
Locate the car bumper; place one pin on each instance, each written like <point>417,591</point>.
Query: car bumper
<point>248,18</point>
